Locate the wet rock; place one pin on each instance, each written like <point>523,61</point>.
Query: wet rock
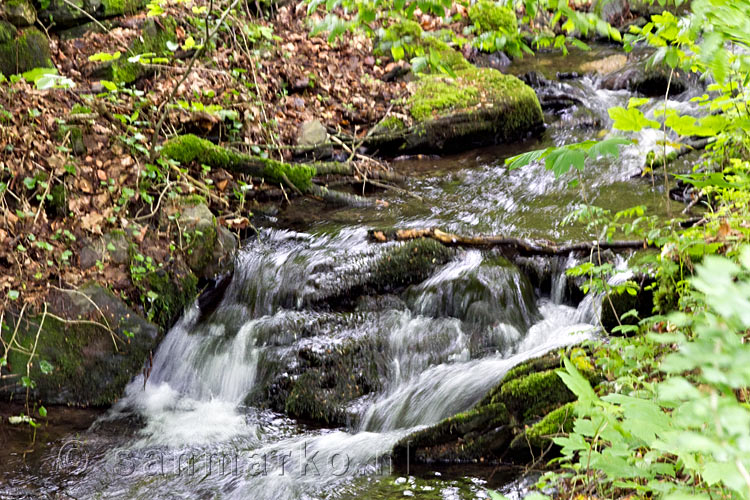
<point>529,403</point>
<point>209,246</point>
<point>23,50</point>
<point>87,364</point>
<point>18,12</point>
<point>319,381</point>
<point>479,434</point>
<point>639,75</point>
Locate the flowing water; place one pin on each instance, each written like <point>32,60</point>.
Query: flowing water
<point>196,428</point>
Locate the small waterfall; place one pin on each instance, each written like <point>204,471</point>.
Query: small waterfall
<point>445,342</point>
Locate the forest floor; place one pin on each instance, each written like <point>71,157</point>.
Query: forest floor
<point>61,192</point>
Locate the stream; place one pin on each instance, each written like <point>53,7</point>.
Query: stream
<point>195,428</point>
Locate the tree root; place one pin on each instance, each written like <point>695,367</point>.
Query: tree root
<point>522,247</point>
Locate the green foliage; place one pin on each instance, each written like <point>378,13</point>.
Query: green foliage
<point>561,159</point>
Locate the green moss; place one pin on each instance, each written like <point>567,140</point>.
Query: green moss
<point>409,263</point>
<point>58,203</point>
<point>7,32</point>
<point>489,16</point>
<point>28,51</point>
<point>392,123</point>
<point>188,148</point>
<point>437,95</point>
<point>173,294</point>
<point>555,422</point>
<point>87,368</point>
<point>74,135</point>
<point>330,380</point>
<point>153,39</point>
<point>535,394</point>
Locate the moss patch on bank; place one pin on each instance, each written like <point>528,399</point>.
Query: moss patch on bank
<point>489,16</point>
<point>189,148</point>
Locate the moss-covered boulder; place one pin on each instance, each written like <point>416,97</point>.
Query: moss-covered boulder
<point>26,50</point>
<point>85,353</point>
<point>529,405</point>
<point>18,12</point>
<point>480,106</point>
<point>475,435</point>
<point>319,384</point>
<point>152,40</point>
<point>491,16</point>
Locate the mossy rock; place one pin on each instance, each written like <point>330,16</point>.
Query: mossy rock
<point>18,12</point>
<point>480,106</point>
<point>408,263</point>
<point>28,50</point>
<point>74,136</point>
<point>190,148</point>
<point>57,204</point>
<point>210,247</point>
<point>617,304</point>
<point>490,16</point>
<point>172,291</point>
<point>318,385</point>
<point>7,32</point>
<point>539,435</point>
<point>90,366</point>
<point>480,434</point>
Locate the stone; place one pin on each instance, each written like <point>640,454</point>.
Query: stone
<point>481,106</point>
<point>90,364</point>
<point>18,12</point>
<point>116,245</point>
<point>64,14</point>
<point>209,245</point>
<point>312,133</point>
<point>29,49</point>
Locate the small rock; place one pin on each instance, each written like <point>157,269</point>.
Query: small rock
<point>87,257</point>
<point>312,133</point>
<point>19,13</point>
<point>300,84</point>
<point>370,61</point>
<point>395,70</point>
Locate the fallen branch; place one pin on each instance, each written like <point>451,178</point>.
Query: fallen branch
<point>524,247</point>
<point>297,176</point>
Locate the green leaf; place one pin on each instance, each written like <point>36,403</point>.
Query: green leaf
<point>42,412</point>
<point>46,367</point>
<point>577,383</point>
<point>524,159</point>
<point>630,120</point>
